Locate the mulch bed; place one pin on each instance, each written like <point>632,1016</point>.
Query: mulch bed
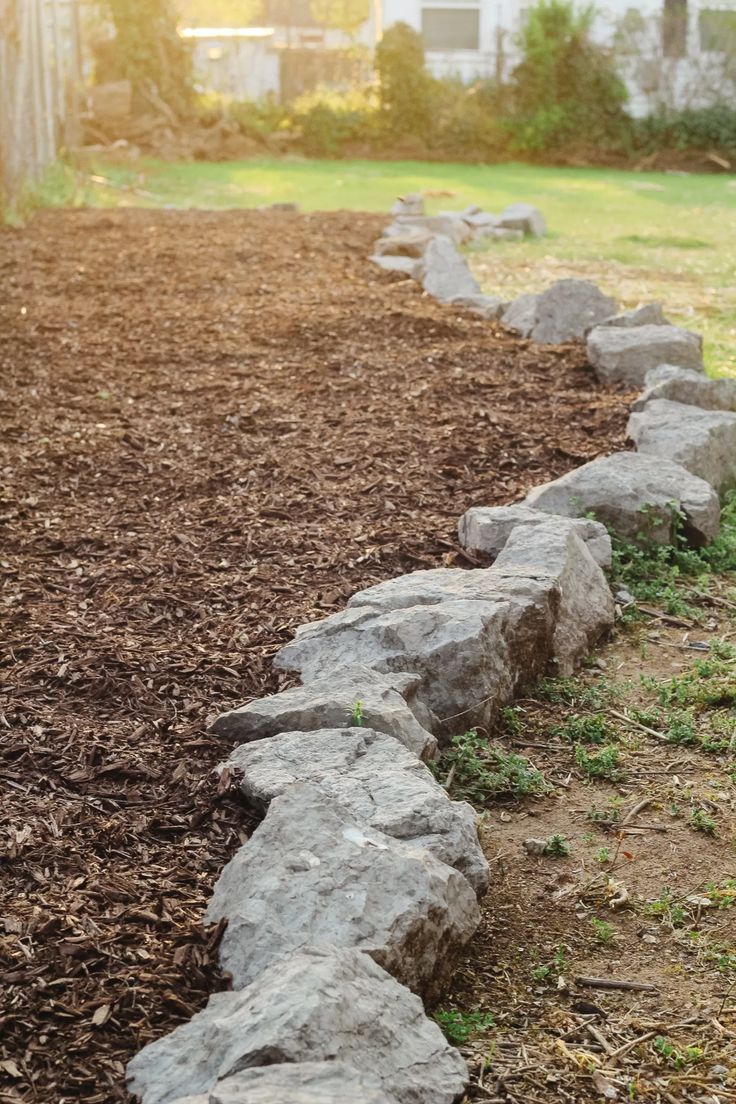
<point>216,426</point>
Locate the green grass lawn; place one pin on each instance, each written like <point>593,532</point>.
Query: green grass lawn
<point>639,235</point>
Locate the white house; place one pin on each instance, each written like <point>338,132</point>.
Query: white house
<point>671,52</point>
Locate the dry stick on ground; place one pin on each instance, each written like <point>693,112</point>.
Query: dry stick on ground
<point>616,983</point>
<point>636,724</point>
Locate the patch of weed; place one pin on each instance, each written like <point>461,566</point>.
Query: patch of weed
<point>557,846</point>
<point>459,1027</point>
<point>702,822</point>
<point>477,771</point>
<point>603,764</point>
<point>592,728</point>
<point>604,932</point>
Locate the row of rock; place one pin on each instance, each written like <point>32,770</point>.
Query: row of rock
<point>352,897</point>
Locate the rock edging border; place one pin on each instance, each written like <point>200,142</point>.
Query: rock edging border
<point>318,933</point>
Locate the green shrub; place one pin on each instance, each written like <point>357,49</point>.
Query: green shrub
<point>566,90</point>
<point>405,87</point>
<point>694,128</point>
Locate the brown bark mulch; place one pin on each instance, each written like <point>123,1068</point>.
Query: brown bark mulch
<point>216,426</point>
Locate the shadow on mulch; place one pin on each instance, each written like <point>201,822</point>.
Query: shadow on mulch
<point>217,426</point>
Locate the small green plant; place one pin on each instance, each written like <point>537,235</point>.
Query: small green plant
<point>592,728</point>
<point>701,822</point>
<point>357,717</point>
<point>722,896</point>
<point>667,908</point>
<point>477,771</point>
<point>602,855</point>
<point>607,817</point>
<point>604,764</point>
<point>555,968</point>
<point>459,1027</point>
<point>557,846</point>
<point>604,932</point>
<point>511,720</point>
<point>676,1057</point>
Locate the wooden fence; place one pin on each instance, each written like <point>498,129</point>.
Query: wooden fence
<point>40,81</point>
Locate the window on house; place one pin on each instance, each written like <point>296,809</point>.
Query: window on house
<point>674,28</point>
<point>451,28</point>
<point>717,31</point>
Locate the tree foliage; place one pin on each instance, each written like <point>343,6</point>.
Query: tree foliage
<point>148,51</point>
<point>343,15</point>
<point>566,88</point>
<point>405,86</point>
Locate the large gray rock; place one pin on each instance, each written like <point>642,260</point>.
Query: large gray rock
<point>522,216</point>
<point>638,496</point>
<point>301,1083</point>
<point>487,528</point>
<point>471,637</point>
<point>386,702</point>
<point>411,244</point>
<point>448,225</point>
<point>320,1005</point>
<point>406,266</point>
<point>564,312</point>
<point>314,874</point>
<point>703,441</point>
<point>648,314</point>
<point>445,274</point>
<point>625,355</point>
<point>682,385</point>
<point>376,780</point>
<point>586,608</point>
<point>410,204</point>
<point>487,306</point>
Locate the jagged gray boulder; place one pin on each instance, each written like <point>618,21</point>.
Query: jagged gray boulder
<point>586,608</point>
<point>386,702</point>
<point>470,637</point>
<point>625,355</point>
<point>523,216</point>
<point>638,496</point>
<point>449,226</point>
<point>321,1004</point>
<point>301,1083</point>
<point>682,385</point>
<point>487,528</point>
<point>564,312</point>
<point>411,244</point>
<point>445,274</point>
<point>314,874</point>
<point>487,306</point>
<point>648,314</point>
<point>377,781</point>
<point>410,204</point>
<point>406,266</point>
<point>703,441</point>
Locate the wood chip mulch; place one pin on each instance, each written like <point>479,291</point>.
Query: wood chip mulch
<point>216,426</point>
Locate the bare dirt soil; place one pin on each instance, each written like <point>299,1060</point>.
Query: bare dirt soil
<point>646,892</point>
<point>216,426</point>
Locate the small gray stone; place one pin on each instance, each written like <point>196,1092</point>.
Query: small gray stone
<point>636,495</point>
<point>682,385</point>
<point>376,780</point>
<point>487,306</point>
<point>406,266</point>
<point>410,204</point>
<point>648,314</point>
<point>621,355</point>
<point>564,312</point>
<point>387,703</point>
<point>487,528</point>
<point>445,273</point>
<point>499,233</point>
<point>313,874</point>
<point>320,1005</point>
<point>703,441</point>
<point>300,1083</point>
<point>522,216</point>
<point>520,315</point>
